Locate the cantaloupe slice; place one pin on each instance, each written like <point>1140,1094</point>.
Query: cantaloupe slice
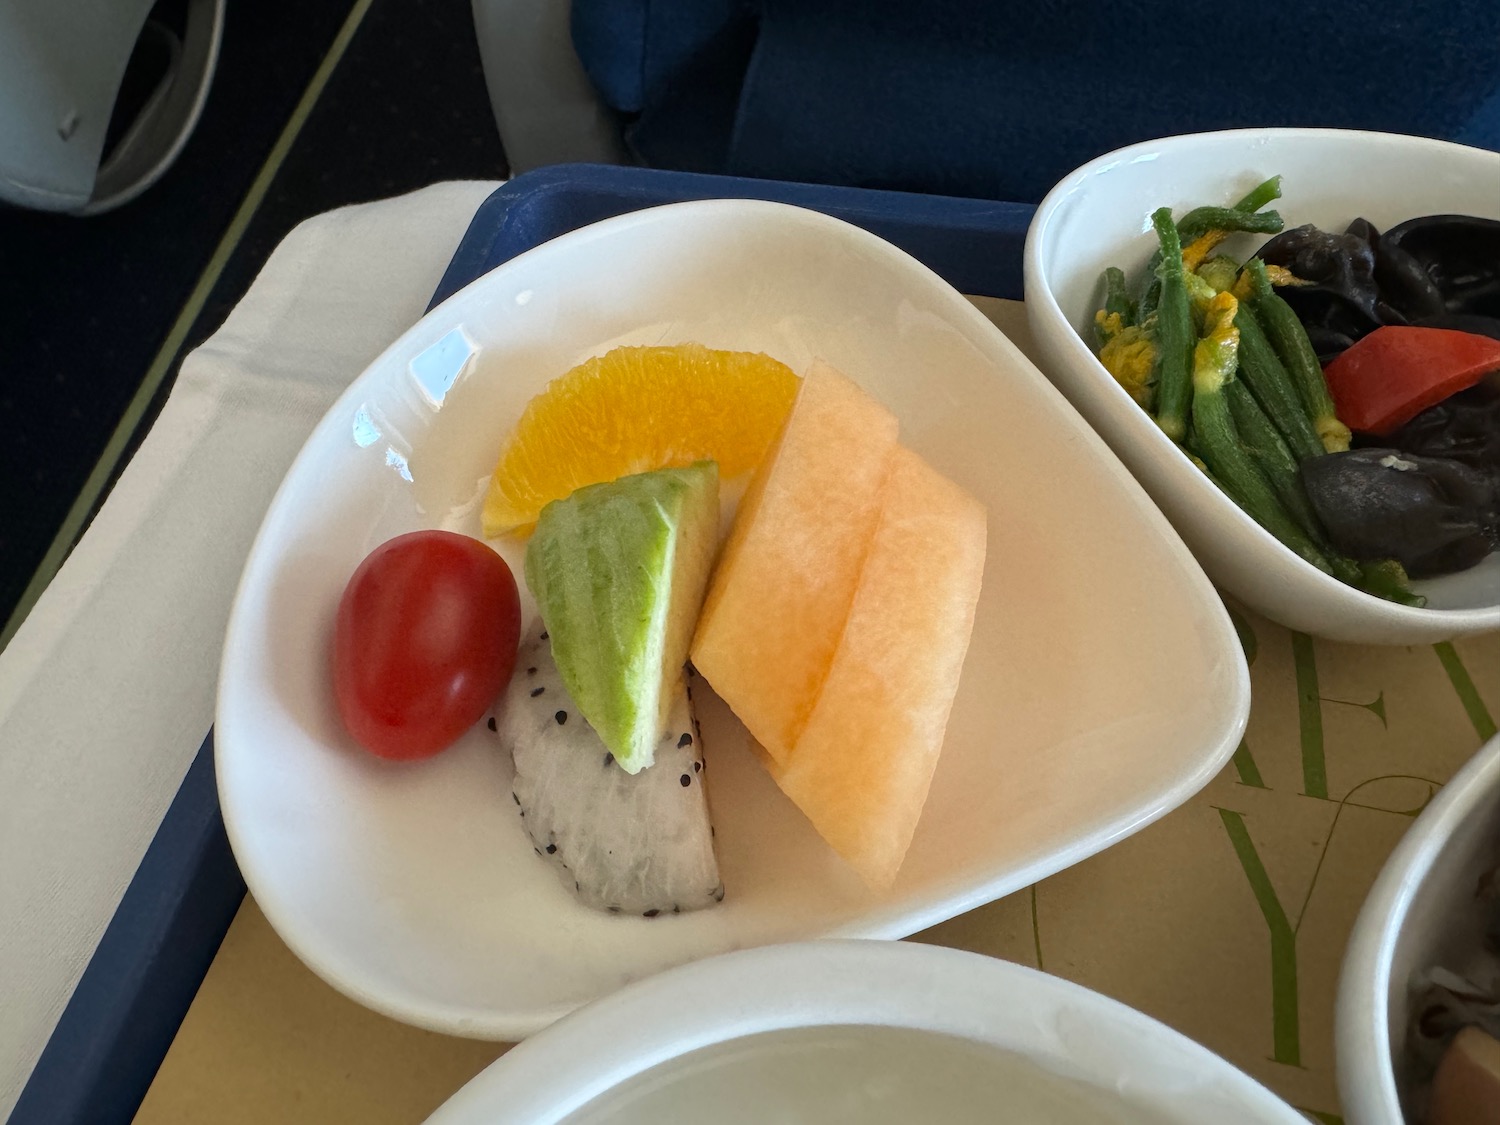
<point>862,766</point>
<point>786,577</point>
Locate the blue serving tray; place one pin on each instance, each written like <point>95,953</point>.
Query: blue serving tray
<point>130,1001</point>
<point>974,244</point>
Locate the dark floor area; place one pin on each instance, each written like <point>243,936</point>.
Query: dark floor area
<point>86,304</point>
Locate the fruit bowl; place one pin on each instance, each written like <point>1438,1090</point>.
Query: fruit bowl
<point>1099,215</point>
<point>413,888</point>
<point>861,1031</point>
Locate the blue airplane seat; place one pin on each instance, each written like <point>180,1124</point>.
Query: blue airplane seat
<point>999,99</point>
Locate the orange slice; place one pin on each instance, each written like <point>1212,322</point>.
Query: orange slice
<point>632,410</point>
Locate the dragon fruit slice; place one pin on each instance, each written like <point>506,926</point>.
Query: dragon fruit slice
<point>627,843</point>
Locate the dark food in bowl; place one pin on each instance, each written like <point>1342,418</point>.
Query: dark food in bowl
<point>1266,372</point>
<point>1464,427</point>
<point>1436,271</point>
<point>1464,322</point>
<point>1453,1052</point>
<point>1460,254</point>
<point>1338,300</point>
<point>1432,514</point>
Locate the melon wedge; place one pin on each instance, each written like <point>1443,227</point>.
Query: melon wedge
<point>861,769</point>
<point>786,577</point>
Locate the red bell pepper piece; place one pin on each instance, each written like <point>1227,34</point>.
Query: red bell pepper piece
<point>1387,378</point>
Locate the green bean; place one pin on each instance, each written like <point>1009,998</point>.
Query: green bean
<point>1125,345</point>
<point>1200,220</point>
<point>1388,580</point>
<point>1290,341</point>
<point>1271,455</point>
<point>1214,362</point>
<point>1261,194</point>
<point>1152,296</point>
<point>1264,373</point>
<point>1117,297</point>
<point>1220,222</point>
<point>1174,333</point>
<point>1226,220</point>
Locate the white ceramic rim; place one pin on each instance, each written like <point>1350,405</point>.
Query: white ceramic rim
<point>828,983</point>
<point>1161,448</point>
<point>1362,1034</point>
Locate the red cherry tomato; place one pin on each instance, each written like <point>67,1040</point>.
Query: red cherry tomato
<point>424,643</point>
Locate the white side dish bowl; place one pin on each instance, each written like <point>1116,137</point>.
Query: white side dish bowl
<point>1420,913</point>
<point>1104,684</point>
<point>873,1033</point>
<point>1100,215</point>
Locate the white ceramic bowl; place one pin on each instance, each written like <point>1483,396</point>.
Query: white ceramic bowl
<point>1099,216</point>
<point>839,1032</point>
<point>1420,913</point>
<point>1104,684</point>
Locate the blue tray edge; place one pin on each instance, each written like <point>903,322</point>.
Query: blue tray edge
<point>974,244</point>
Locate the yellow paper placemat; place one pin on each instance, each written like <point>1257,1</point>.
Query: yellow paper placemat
<point>1227,919</point>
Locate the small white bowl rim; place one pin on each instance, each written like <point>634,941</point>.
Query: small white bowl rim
<point>1362,1036</point>
<point>828,983</point>
<point>1159,445</point>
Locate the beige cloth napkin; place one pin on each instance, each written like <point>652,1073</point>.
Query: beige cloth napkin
<point>107,689</point>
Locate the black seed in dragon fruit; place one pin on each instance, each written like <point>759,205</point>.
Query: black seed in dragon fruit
<point>627,844</point>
